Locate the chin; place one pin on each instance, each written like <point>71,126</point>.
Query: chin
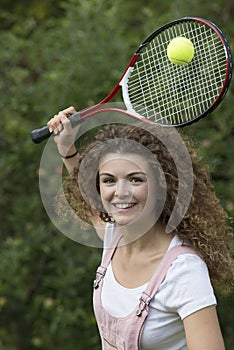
<point>139,224</point>
<point>122,221</point>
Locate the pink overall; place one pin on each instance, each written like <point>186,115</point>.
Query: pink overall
<point>124,333</point>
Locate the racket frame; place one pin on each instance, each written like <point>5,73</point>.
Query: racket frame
<point>39,135</point>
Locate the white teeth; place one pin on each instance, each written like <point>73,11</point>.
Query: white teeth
<point>124,205</point>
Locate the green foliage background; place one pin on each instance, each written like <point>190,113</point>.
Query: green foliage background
<point>55,54</point>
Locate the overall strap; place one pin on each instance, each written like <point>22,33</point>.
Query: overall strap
<point>160,274</point>
<point>106,258</point>
<point>109,251</point>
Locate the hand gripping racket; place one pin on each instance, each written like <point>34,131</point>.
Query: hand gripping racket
<point>158,91</point>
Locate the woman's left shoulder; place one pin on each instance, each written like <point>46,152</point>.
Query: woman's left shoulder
<point>188,261</point>
<point>189,266</point>
<point>187,286</point>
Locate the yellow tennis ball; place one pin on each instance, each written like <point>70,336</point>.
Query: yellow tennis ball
<point>180,50</point>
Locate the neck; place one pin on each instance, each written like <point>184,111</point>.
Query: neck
<point>155,240</point>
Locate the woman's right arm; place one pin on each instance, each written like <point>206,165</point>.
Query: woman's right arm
<point>64,137</point>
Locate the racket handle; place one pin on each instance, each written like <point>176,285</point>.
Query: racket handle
<point>41,134</point>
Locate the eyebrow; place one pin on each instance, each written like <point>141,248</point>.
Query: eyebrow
<point>130,174</point>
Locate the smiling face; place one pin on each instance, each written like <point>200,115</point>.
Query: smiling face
<point>127,187</point>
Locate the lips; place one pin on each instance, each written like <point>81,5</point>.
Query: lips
<point>124,205</point>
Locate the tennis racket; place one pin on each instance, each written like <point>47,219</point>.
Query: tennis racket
<point>158,91</point>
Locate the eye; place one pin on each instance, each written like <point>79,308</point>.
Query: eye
<point>107,180</point>
<point>136,179</point>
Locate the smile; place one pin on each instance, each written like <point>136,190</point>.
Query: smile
<point>124,205</point>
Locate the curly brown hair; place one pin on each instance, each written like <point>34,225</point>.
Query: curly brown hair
<point>205,225</point>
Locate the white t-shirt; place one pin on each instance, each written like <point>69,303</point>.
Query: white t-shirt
<point>185,290</point>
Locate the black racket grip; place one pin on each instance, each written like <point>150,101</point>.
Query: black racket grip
<point>41,134</point>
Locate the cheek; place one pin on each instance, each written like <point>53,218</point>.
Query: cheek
<point>105,193</point>
<point>106,197</point>
<point>150,195</point>
<point>141,193</point>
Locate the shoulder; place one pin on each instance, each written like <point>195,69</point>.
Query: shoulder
<point>187,286</point>
<point>186,265</point>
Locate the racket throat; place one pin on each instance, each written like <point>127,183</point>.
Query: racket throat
<point>124,85</point>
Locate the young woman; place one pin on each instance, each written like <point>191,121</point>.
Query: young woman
<point>153,289</point>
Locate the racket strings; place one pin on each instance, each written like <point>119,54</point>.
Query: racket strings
<point>173,94</point>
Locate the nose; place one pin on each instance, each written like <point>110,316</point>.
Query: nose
<point>123,189</point>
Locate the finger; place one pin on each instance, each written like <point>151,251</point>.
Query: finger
<point>52,124</point>
<point>65,121</point>
<point>69,111</point>
<point>58,129</point>
<point>60,121</point>
<point>57,120</point>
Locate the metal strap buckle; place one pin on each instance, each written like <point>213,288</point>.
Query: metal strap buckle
<point>145,300</point>
<point>101,271</point>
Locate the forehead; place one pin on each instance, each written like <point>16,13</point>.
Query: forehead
<point>123,161</point>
